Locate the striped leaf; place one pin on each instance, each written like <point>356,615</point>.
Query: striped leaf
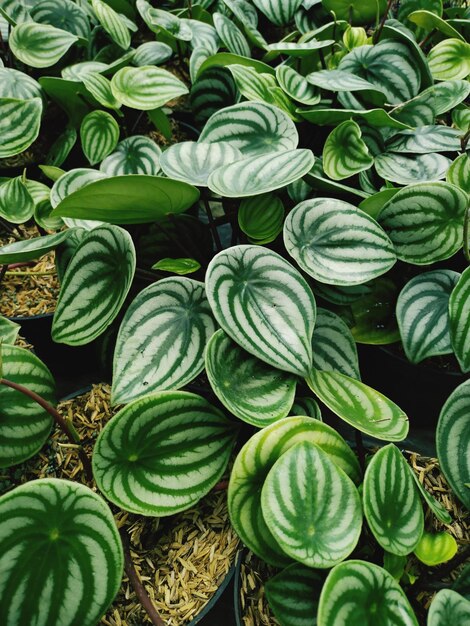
<point>253,464</point>
<point>459,313</point>
<point>358,593</point>
<point>231,36</point>
<point>299,49</point>
<point>63,14</point>
<point>426,139</point>
<point>222,59</point>
<point>254,128</point>
<point>113,23</point>
<point>8,331</point>
<point>17,11</point>
<point>67,249</point>
<point>459,173</point>
<point>60,539</point>
<point>18,85</point>
<point>24,425</point>
<point>392,505</point>
<point>31,249</point>
<point>333,346</point>
<point>333,117</point>
<point>135,155</point>
<point>164,20</point>
<point>198,57</point>
<point>247,387</point>
<point>193,162</point>
<point>436,548</point>
<point>261,217</point>
<point>389,66</point>
<point>448,607</point>
<point>99,134</point>
<point>78,71</point>
<point>264,305</point>
<point>345,153</point>
<point>407,170</point>
<point>453,441</point>
<point>19,124</point>
<point>256,175</point>
<point>71,181</point>
<point>423,314</point>
<point>343,80</point>
<point>296,86</point>
<point>146,88</point>
<point>437,508</point>
<point>429,21</point>
<point>254,85</point>
<point>450,60</point>
<point>316,532</point>
<point>438,99</point>
<point>16,203</point>
<point>423,237</point>
<point>145,463</point>
<point>161,341</point>
<point>336,243</point>
<point>61,148</point>
<point>95,285</point>
<point>461,117</point>
<point>306,406</point>
<point>39,45</point>
<point>100,88</point>
<point>204,35</point>
<point>359,405</point>
<point>152,53</point>
<point>279,12</point>
<point>293,595</point>
<point>131,199</point>
<point>243,11</point>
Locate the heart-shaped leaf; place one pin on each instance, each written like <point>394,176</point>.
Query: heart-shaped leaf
<point>99,134</point>
<point>24,425</point>
<point>16,203</point>
<point>231,36</point>
<point>193,162</point>
<point>260,174</point>
<point>39,45</point>
<point>392,505</point>
<point>459,312</point>
<point>146,88</point>
<point>133,155</point>
<point>406,170</point>
<point>113,23</point>
<point>453,441</point>
<point>357,593</point>
<point>144,463</point>
<point>333,346</point>
<point>296,86</point>
<point>345,153</point>
<point>59,538</point>
<point>423,314</point>
<point>264,305</point>
<point>317,532</point>
<point>161,340</point>
<point>426,139</point>
<point>423,237</point>
<point>436,548</point>
<point>19,124</point>
<point>247,387</point>
<point>450,59</point>
<point>359,405</point>
<point>95,285</point>
<point>448,607</point>
<point>254,128</point>
<point>253,464</point>
<point>279,12</point>
<point>63,14</point>
<point>31,249</point>
<point>336,243</point>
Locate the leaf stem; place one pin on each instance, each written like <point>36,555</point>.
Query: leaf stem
<point>378,32</point>
<point>136,583</point>
<point>361,453</point>
<point>464,141</point>
<point>212,225</point>
<point>58,419</point>
<point>21,273</point>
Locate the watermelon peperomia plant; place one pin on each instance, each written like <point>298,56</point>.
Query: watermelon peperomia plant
<point>308,163</point>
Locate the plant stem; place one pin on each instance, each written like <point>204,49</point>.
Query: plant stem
<point>427,38</point>
<point>378,32</point>
<point>361,453</point>
<point>12,266</point>
<point>136,583</point>
<point>212,225</point>
<point>58,419</point>
<point>9,229</point>
<point>221,486</point>
<point>15,273</point>
<point>464,141</point>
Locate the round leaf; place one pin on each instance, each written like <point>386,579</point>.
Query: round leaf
<point>293,595</point>
<point>99,134</point>
<point>146,88</point>
<point>436,548</point>
<point>19,124</point>
<point>39,45</point>
<point>134,155</point>
<point>345,153</point>
<point>450,60</point>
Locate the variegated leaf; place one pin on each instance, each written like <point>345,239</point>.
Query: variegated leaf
<point>459,313</point>
<point>253,464</point>
<point>450,59</point>
<point>263,304</point>
<point>16,203</point>
<point>256,175</point>
<point>99,134</point>
<point>357,593</point>
<point>424,237</point>
<point>63,14</point>
<point>79,71</point>
<point>134,155</point>
<point>161,341</point>
<point>299,49</point>
<point>425,139</point>
<point>31,249</point>
<point>428,21</point>
<point>18,85</point>
<point>146,88</point>
<point>19,124</point>
<point>152,53</point>
<point>196,60</point>
<point>204,35</point>
<point>345,153</point>
<point>40,45</point>
<point>260,86</point>
<point>247,387</point>
<point>293,595</point>
<point>95,285</point>
<point>261,217</point>
<point>279,12</point>
<point>296,86</point>
<point>333,346</point>
<point>243,11</point>
<point>193,162</point>
<point>459,173</point>
<point>214,90</point>
<point>333,117</point>
<point>448,607</point>
<point>61,148</point>
<point>100,88</point>
<point>71,181</point>
<point>68,550</point>
<point>336,243</point>
<point>359,405</point>
<point>24,425</point>
<point>306,406</point>
<point>392,505</point>
<point>453,441</point>
<point>8,331</point>
<point>407,170</point>
<point>255,128</point>
<point>172,24</point>
<point>113,23</point>
<point>144,463</point>
<point>231,36</point>
<point>343,80</point>
<point>423,314</point>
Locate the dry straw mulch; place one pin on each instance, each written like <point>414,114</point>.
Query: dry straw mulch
<point>181,559</point>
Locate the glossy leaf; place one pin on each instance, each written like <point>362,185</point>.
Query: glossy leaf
<point>231,36</point>
<point>18,85</point>
<point>296,86</point>
<point>143,462</point>
<point>95,285</point>
<point>459,320</point>
<point>113,23</point>
<point>99,134</point>
<point>8,331</point>
<point>59,538</point>
<point>213,90</point>
<point>39,45</point>
<point>333,117</point>
<point>293,595</point>
<point>262,87</point>
<point>261,217</point>
<point>31,249</point>
<point>100,88</point>
<point>407,170</point>
<point>63,14</point>
<point>161,340</point>
<point>264,305</point>
<point>336,243</point>
<point>437,508</point>
<point>436,548</point>
<point>448,607</point>
<point>425,139</point>
<point>306,406</point>
<point>61,148</point>
<point>450,60</point>
<point>247,387</point>
<point>19,124</point>
<point>333,346</point>
<point>279,12</point>
<point>341,80</point>
<point>134,155</point>
<point>299,49</point>
<point>78,71</point>
<point>16,203</point>
<point>152,53</point>
<point>459,173</point>
<point>345,153</point>
<point>177,266</point>
<point>146,88</point>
